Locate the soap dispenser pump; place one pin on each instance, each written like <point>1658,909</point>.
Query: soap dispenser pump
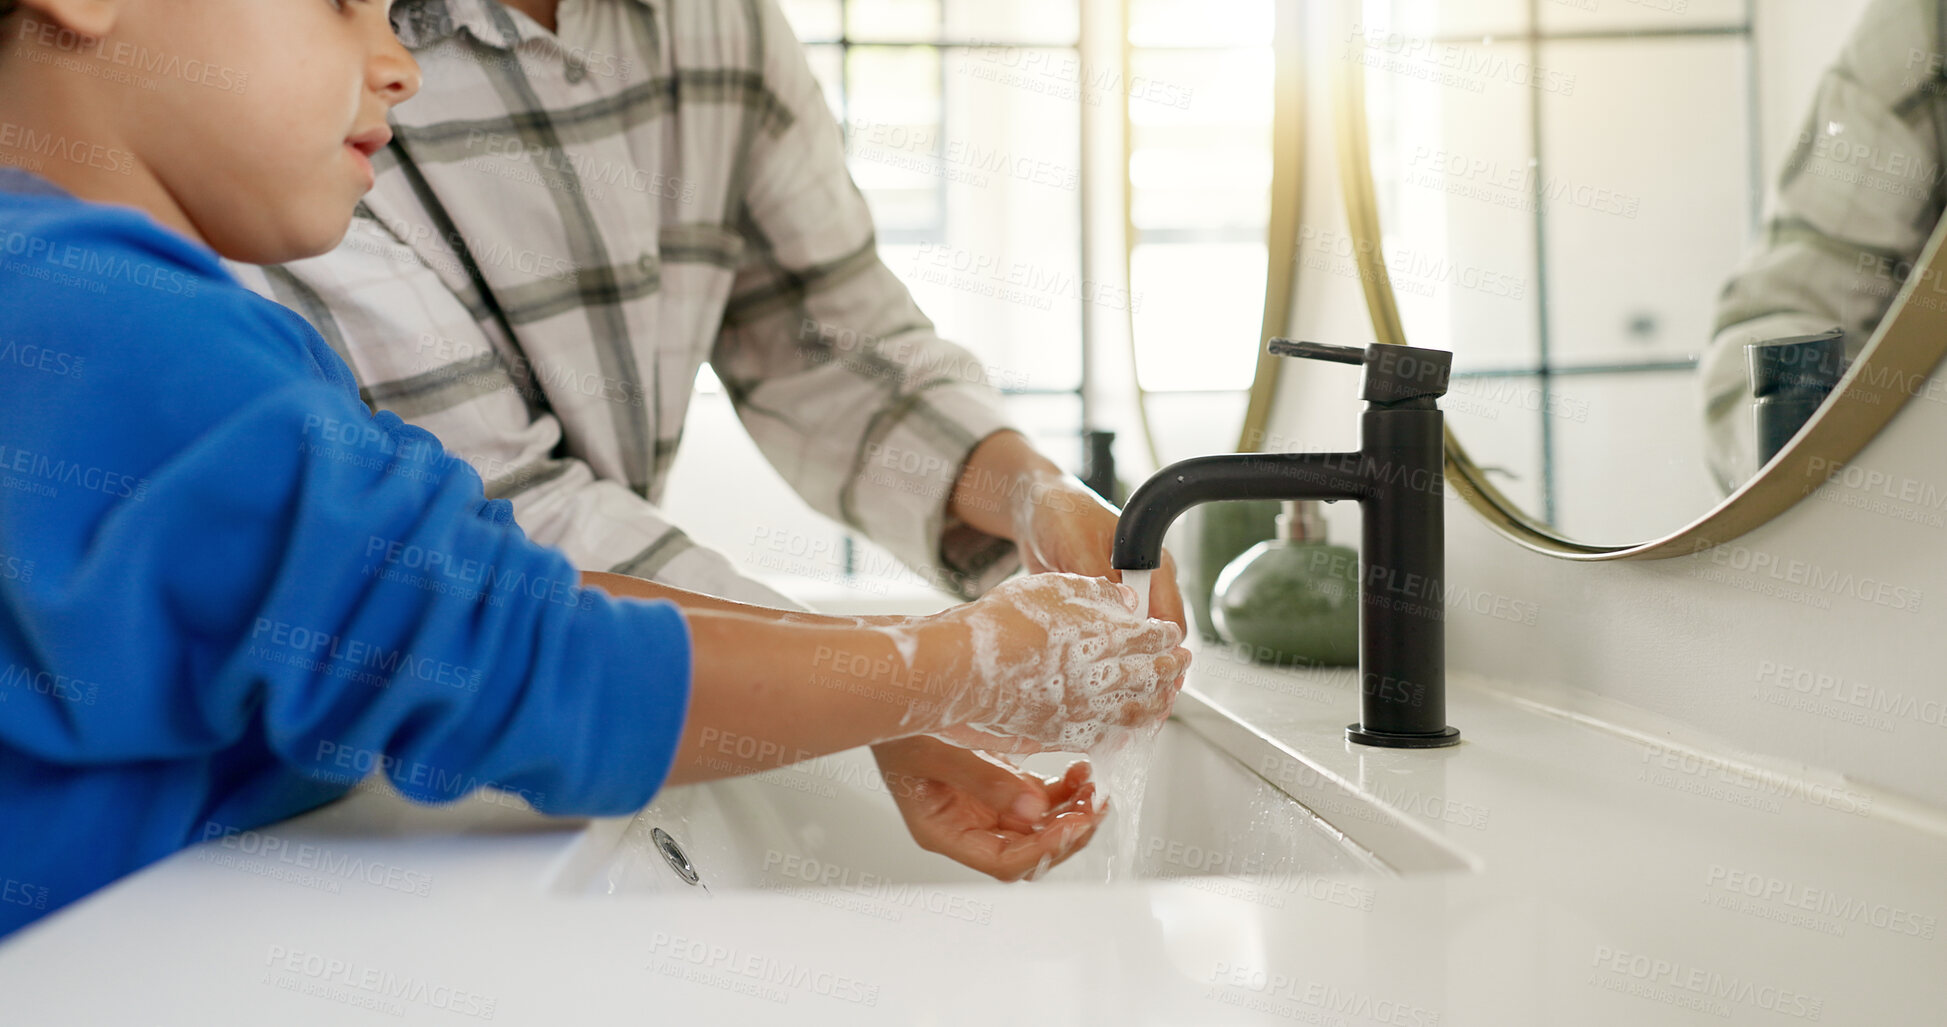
<point>1293,600</point>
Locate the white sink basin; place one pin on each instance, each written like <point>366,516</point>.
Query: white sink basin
<point>1211,810</point>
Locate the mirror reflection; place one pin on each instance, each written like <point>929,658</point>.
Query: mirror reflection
<point>1598,206</point>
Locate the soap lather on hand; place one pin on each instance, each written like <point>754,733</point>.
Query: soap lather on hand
<point>1052,661</point>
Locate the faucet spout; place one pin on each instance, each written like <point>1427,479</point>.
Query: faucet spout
<point>1157,503</point>
<point>1396,478</point>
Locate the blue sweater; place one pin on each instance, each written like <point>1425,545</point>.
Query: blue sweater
<point>228,591</point>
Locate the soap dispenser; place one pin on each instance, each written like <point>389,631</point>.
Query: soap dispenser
<point>1294,599</point>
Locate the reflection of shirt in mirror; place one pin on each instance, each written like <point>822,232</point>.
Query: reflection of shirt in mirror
<point>1855,204</point>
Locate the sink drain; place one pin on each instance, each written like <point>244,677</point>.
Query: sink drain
<point>673,855</point>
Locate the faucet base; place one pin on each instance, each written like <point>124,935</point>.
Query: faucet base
<point>1390,740</point>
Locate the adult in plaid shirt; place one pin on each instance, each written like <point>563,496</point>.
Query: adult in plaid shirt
<point>586,202</point>
<point>1856,202</point>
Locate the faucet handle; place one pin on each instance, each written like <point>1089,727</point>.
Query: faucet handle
<point>1318,351</point>
<point>1394,374</point>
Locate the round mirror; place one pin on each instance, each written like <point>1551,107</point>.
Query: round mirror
<point>1597,207</point>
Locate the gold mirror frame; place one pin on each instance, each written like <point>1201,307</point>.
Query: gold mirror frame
<point>1901,356</point>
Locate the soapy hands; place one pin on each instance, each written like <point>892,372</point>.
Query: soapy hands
<point>1048,661</point>
<point>1057,523</point>
<point>1066,527</point>
<point>984,814</point>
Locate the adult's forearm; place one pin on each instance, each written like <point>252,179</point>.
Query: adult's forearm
<point>1002,473</point>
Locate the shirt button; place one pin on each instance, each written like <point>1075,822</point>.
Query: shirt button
<point>646,262</point>
<point>576,72</point>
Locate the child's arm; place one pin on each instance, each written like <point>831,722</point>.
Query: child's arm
<point>773,687</point>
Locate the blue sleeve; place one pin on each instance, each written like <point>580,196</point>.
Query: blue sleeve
<point>226,544</point>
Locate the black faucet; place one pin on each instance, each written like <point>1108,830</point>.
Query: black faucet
<point>1396,477</point>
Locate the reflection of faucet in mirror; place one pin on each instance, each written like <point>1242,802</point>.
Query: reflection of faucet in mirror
<point>1396,477</point>
<point>1856,201</point>
<point>1790,379</point>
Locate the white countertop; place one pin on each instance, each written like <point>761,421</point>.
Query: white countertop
<point>1622,880</point>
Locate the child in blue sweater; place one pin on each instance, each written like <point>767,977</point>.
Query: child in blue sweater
<point>219,573</point>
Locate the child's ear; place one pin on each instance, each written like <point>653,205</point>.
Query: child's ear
<point>91,18</point>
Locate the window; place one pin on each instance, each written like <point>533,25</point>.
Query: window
<point>965,125</point>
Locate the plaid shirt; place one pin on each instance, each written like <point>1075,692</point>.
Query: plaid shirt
<point>1856,203</point>
<point>568,225</point>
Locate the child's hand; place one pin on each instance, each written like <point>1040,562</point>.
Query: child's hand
<point>980,812</point>
<point>1046,662</point>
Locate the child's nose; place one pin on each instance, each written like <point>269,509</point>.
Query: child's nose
<point>394,73</point>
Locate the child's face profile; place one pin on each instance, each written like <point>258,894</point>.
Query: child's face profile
<point>255,117</point>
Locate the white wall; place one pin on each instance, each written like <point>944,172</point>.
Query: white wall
<point>1722,638</point>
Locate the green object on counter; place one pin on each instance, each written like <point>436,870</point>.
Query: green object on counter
<point>1220,531</point>
<point>1293,600</point>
